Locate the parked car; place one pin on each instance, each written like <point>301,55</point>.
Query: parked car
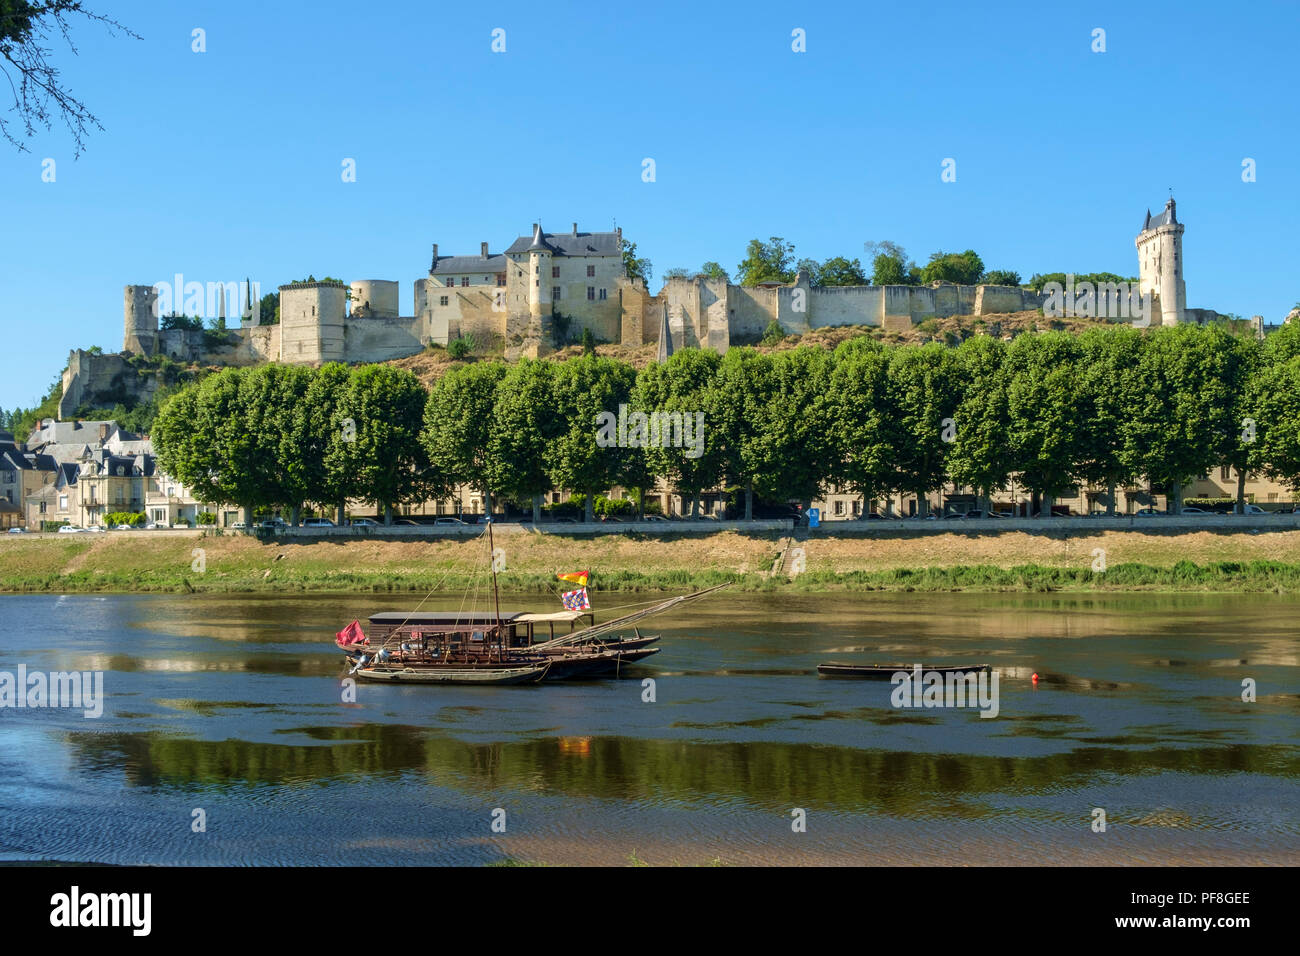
<point>97,529</point>
<point>122,527</point>
<point>407,521</point>
<point>450,521</point>
<point>363,523</point>
<point>318,523</point>
<point>1196,511</point>
<point>654,518</point>
<point>238,526</point>
<point>17,530</point>
<point>1148,513</point>
<point>71,529</point>
<point>484,519</point>
<point>273,524</point>
<point>1255,510</point>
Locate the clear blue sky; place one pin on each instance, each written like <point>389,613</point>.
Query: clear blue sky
<point>227,163</point>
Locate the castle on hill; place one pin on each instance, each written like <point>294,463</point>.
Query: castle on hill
<point>568,282</point>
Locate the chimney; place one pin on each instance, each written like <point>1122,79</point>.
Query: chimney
<point>103,430</point>
<point>575,228</point>
<point>435,258</point>
<point>483,250</point>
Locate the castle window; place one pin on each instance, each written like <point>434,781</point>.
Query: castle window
<point>555,272</point>
<point>602,294</point>
<point>313,310</point>
<point>464,281</point>
<point>501,278</point>
<point>555,292</point>
<point>591,293</point>
<point>591,272</point>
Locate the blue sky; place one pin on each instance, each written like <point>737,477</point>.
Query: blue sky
<point>227,163</point>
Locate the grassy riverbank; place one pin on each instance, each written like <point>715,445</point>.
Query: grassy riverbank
<point>1013,561</point>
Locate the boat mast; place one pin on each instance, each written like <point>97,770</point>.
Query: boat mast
<point>496,597</point>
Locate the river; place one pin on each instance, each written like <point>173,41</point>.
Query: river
<point>225,738</point>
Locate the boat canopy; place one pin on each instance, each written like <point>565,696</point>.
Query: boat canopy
<point>554,617</point>
<point>395,618</point>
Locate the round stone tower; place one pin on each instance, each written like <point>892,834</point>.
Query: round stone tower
<point>374,299</point>
<point>140,320</point>
<point>1160,263</point>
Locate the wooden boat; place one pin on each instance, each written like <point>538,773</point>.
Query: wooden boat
<point>497,647</point>
<point>887,671</point>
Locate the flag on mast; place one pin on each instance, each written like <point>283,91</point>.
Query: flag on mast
<point>577,577</point>
<point>576,600</point>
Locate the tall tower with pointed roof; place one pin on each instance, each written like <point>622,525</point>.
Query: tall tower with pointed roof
<point>539,272</point>
<point>1160,263</point>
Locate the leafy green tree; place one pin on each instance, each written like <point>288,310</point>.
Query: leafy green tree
<point>923,383</point>
<point>735,426</point>
<point>767,262</point>
<point>636,268</point>
<point>1039,280</point>
<point>979,455</point>
<point>712,270</point>
<point>582,390</point>
<point>271,398</point>
<point>1107,393</point>
<point>677,273</point>
<point>837,271</point>
<point>325,434</point>
<point>776,417</point>
<point>1043,403</point>
<point>268,309</point>
<point>386,405</point>
<point>1275,404</point>
<point>890,264</point>
<point>1001,277</point>
<point>684,387</point>
<point>1177,427</point>
<point>963,268</point>
<point>864,420</point>
<point>202,439</point>
<point>1233,382</point>
<point>524,422</point>
<point>458,424</point>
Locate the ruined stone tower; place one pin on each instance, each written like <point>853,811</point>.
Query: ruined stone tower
<point>140,320</point>
<point>1160,263</point>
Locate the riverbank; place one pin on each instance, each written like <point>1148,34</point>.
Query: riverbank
<point>1014,561</point>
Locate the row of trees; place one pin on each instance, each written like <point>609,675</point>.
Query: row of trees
<point>1109,407</point>
<point>775,261</point>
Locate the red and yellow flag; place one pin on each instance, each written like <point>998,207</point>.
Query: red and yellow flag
<point>577,577</point>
